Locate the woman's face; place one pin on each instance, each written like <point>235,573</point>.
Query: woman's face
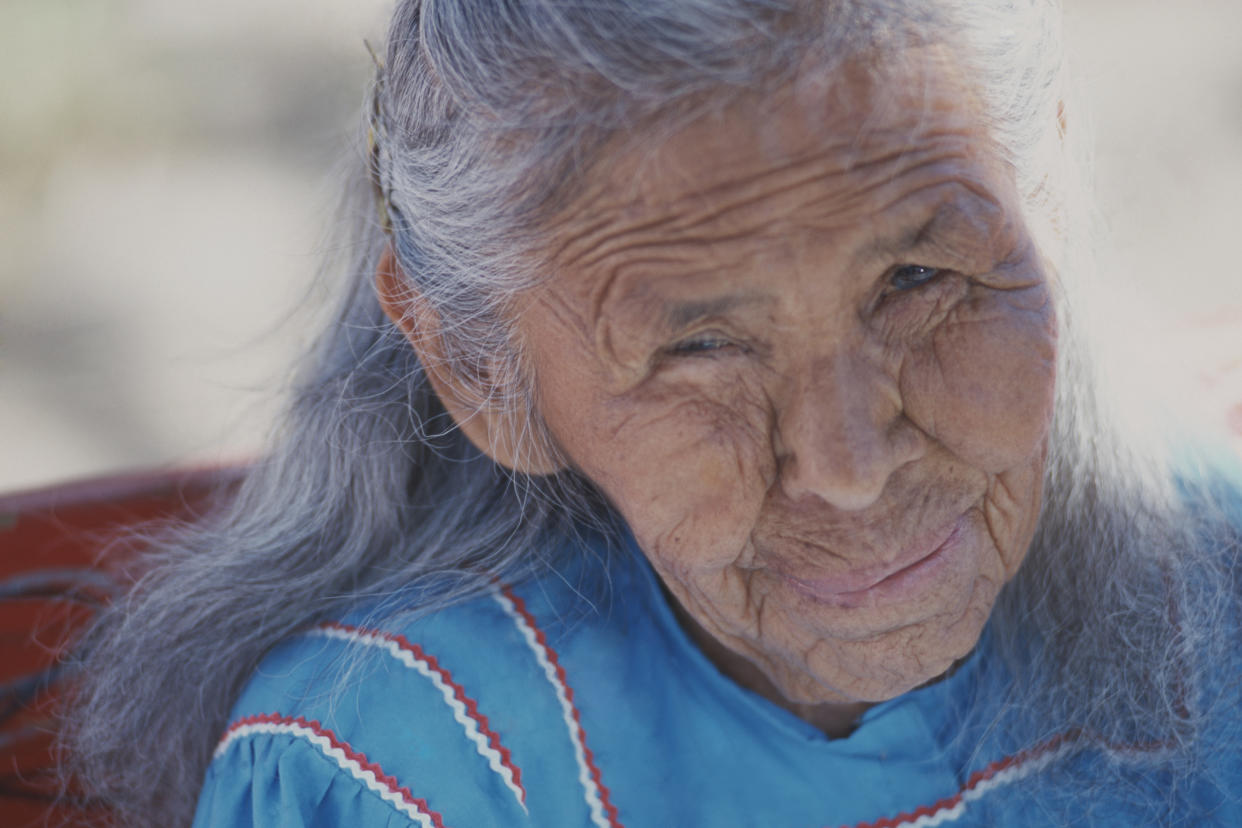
<point>807,349</point>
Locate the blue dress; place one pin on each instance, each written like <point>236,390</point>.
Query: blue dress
<point>561,703</point>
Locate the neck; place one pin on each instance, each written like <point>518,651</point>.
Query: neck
<point>835,719</point>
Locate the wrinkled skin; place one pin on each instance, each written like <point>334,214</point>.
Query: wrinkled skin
<point>831,458</point>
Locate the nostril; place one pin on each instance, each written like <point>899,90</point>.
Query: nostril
<point>848,468</point>
<point>835,485</point>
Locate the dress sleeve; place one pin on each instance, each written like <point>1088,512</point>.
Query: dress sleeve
<point>286,781</point>
<point>348,726</point>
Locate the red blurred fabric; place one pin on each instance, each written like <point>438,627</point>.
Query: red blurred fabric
<point>60,561</point>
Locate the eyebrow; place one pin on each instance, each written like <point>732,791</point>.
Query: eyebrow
<point>951,214</point>
<point>910,237</point>
<point>677,315</point>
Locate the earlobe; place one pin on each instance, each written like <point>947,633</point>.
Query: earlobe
<point>477,410</point>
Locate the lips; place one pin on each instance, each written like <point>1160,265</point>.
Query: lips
<point>860,583</point>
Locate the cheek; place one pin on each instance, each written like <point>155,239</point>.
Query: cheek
<point>983,383</point>
<point>687,468</point>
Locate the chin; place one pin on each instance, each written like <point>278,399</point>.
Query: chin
<point>883,667</point>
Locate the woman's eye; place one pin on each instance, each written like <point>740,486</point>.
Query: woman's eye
<point>701,345</point>
<point>908,277</point>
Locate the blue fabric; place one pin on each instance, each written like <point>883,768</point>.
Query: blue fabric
<point>675,742</point>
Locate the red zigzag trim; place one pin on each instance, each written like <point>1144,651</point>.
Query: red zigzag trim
<point>363,762</point>
<point>459,692</point>
<point>605,796</point>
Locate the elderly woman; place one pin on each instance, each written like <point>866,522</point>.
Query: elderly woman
<point>704,441</point>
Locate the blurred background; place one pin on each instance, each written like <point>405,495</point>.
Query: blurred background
<point>168,171</point>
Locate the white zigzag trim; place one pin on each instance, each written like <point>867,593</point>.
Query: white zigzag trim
<point>939,818</point>
<point>591,791</point>
<point>1017,772</point>
<point>1008,776</point>
<point>468,724</point>
<point>363,775</point>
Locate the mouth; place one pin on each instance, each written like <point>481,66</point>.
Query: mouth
<point>906,575</point>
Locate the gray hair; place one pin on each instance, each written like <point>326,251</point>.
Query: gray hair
<point>491,113</point>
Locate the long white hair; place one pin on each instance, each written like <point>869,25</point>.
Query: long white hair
<point>488,114</point>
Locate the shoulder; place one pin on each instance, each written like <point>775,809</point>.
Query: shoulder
<point>448,718</point>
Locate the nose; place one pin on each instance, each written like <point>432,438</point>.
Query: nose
<point>841,434</point>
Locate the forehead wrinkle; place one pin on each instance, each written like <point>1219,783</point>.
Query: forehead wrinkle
<point>557,253</point>
<point>950,207</point>
<point>856,149</point>
<point>963,190</point>
<point>685,211</point>
<point>940,162</point>
<point>713,206</point>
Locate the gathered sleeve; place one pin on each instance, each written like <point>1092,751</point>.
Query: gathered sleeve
<point>349,725</point>
<point>283,780</point>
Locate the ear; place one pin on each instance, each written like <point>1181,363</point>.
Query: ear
<point>477,409</point>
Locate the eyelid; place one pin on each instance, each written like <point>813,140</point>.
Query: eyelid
<point>934,273</point>
<point>704,343</point>
<point>690,346</point>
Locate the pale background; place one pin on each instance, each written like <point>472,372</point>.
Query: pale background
<point>168,170</point>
